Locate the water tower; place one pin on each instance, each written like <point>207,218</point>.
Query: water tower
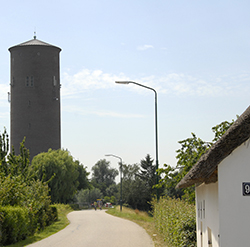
<point>35,96</point>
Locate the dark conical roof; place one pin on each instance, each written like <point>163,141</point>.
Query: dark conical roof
<point>35,42</point>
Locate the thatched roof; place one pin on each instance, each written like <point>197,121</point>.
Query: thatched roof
<point>205,170</point>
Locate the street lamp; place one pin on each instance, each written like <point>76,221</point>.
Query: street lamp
<point>120,176</point>
<point>156,130</point>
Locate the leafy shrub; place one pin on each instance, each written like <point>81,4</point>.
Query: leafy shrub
<point>24,201</point>
<point>175,220</point>
<point>75,206</point>
<point>14,223</point>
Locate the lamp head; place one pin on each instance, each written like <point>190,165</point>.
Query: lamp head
<point>123,82</point>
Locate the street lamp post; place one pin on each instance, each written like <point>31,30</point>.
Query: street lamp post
<point>156,129</point>
<point>120,176</point>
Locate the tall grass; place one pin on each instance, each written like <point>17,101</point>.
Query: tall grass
<point>175,220</point>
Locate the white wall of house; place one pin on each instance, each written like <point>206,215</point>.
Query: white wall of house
<point>207,215</point>
<point>234,208</point>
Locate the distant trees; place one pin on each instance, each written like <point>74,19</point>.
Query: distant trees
<point>64,175</point>
<point>88,195</point>
<point>103,176</point>
<point>138,183</point>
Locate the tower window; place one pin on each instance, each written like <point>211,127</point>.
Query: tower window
<point>29,81</point>
<point>54,81</point>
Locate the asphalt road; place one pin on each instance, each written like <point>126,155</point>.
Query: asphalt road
<point>97,228</point>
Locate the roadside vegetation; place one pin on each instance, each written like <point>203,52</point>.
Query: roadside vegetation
<point>27,192</point>
<point>61,223</point>
<point>32,192</point>
<point>141,218</point>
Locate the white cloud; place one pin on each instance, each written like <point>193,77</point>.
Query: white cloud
<point>87,79</point>
<point>174,83</point>
<point>144,47</point>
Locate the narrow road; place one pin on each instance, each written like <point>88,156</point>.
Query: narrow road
<point>90,228</point>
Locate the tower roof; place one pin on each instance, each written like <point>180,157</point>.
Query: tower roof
<point>34,42</point>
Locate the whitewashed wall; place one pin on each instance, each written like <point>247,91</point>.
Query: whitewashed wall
<point>234,208</point>
<point>207,215</point>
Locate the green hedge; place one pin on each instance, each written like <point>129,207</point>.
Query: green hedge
<point>16,223</point>
<point>175,220</point>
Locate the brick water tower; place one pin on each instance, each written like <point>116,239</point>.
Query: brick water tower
<point>35,96</point>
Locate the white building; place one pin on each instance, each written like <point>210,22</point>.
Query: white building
<point>222,186</point>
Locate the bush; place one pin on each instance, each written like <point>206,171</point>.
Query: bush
<point>175,220</point>
<point>75,206</point>
<point>15,224</point>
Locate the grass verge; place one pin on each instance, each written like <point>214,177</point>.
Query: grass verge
<point>62,222</point>
<point>141,218</point>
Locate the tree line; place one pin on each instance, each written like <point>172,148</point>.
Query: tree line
<point>68,181</point>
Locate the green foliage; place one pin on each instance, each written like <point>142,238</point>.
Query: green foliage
<point>111,199</point>
<point>138,184</point>
<point>82,177</point>
<point>88,195</point>
<point>220,129</point>
<point>135,191</point>
<point>112,190</point>
<point>175,220</point>
<point>4,148</point>
<point>190,152</point>
<point>58,168</point>
<point>15,224</point>
<point>103,176</point>
<point>147,173</point>
<point>24,201</point>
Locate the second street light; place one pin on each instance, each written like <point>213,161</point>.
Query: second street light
<point>112,155</point>
<point>156,130</point>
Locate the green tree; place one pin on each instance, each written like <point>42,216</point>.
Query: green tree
<point>112,190</point>
<point>83,176</point>
<point>190,152</point>
<point>59,168</point>
<point>103,175</point>
<point>147,173</point>
<point>4,149</point>
<point>88,195</point>
<point>135,191</point>
<point>18,188</point>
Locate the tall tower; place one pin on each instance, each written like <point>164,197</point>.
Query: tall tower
<point>35,96</point>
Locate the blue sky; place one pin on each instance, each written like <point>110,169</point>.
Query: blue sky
<point>194,53</point>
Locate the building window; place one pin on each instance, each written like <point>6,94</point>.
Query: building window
<point>54,81</point>
<point>29,81</point>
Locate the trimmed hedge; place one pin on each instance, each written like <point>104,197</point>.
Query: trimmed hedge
<point>16,223</point>
<point>175,220</point>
